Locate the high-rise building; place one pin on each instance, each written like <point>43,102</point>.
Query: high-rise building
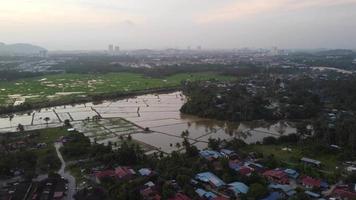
<point>111,48</point>
<point>117,49</point>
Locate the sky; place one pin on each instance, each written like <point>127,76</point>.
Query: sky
<point>158,24</point>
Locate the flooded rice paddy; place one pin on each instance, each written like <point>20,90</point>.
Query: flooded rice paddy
<point>160,113</point>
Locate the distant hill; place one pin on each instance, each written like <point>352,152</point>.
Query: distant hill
<point>20,49</point>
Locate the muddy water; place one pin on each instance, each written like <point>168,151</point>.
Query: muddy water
<point>158,112</point>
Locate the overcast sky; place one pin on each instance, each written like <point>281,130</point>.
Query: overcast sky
<point>93,24</point>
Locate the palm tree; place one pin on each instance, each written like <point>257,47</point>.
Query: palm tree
<point>47,120</point>
<point>11,116</point>
<point>20,127</point>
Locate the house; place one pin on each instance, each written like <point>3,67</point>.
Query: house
<point>235,164</point>
<point>291,173</point>
<point>103,174</point>
<point>310,162</point>
<point>273,196</point>
<point>255,166</point>
<point>210,154</point>
<point>344,192</point>
<point>276,176</point>
<point>204,194</point>
<point>124,172</point>
<point>284,190</point>
<point>149,192</point>
<point>210,178</point>
<point>228,153</point>
<point>245,171</point>
<point>180,196</point>
<point>238,188</point>
<point>58,195</point>
<point>312,195</point>
<point>310,183</point>
<point>146,172</point>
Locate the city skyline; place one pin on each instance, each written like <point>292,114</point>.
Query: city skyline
<point>158,24</point>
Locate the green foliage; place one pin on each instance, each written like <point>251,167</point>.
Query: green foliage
<point>257,191</point>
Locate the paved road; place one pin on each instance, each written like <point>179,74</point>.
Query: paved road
<point>71,180</point>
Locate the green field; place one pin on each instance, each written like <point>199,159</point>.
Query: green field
<point>292,158</point>
<point>63,85</point>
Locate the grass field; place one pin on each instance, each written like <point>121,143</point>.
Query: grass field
<point>62,85</point>
<point>329,161</point>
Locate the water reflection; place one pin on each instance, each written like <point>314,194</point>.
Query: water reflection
<point>158,112</point>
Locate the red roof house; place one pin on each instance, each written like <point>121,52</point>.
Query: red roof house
<point>124,172</point>
<point>104,174</point>
<point>180,196</point>
<point>246,171</point>
<point>310,182</point>
<point>277,176</point>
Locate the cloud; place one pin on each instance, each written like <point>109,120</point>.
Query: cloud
<point>240,9</point>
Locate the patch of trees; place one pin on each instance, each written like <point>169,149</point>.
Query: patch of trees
<point>11,75</point>
<point>235,104</point>
<point>79,147</point>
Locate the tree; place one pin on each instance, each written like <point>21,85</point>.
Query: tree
<point>20,127</point>
<point>214,144</point>
<point>67,123</point>
<point>46,120</point>
<point>167,191</point>
<point>11,116</point>
<point>257,191</point>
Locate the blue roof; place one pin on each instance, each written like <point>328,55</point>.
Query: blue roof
<point>273,196</point>
<point>238,187</point>
<point>324,184</point>
<point>210,154</point>
<point>254,164</point>
<point>145,172</point>
<point>291,173</point>
<point>285,188</point>
<point>312,194</point>
<point>203,193</point>
<point>234,166</point>
<point>209,177</point>
<point>226,152</point>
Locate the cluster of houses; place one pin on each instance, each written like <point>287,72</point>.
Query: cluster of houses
<point>49,189</point>
<point>283,182</point>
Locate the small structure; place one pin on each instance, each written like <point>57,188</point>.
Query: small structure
<point>344,192</point>
<point>208,177</point>
<point>273,196</point>
<point>103,174</point>
<point>238,188</point>
<point>276,176</point>
<point>285,191</point>
<point>146,172</point>
<point>312,194</point>
<point>124,172</point>
<point>71,129</point>
<point>58,195</point>
<point>245,171</point>
<point>204,194</point>
<point>210,155</point>
<point>312,183</point>
<point>291,173</point>
<point>149,192</point>
<point>311,162</point>
<point>180,196</point>
<point>228,153</point>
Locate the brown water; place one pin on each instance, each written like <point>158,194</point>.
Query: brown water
<point>158,112</point>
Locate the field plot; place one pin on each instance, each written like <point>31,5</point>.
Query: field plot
<point>67,86</point>
<point>109,131</point>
